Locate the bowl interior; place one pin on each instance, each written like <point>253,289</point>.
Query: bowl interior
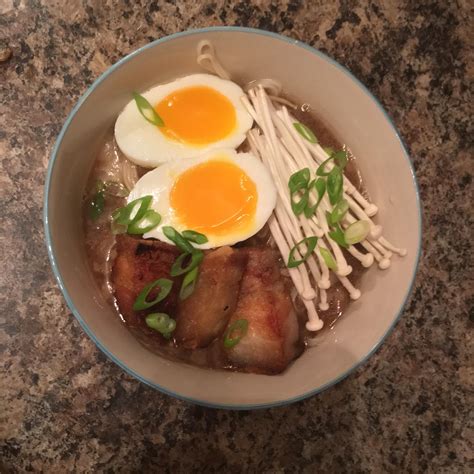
<point>347,108</point>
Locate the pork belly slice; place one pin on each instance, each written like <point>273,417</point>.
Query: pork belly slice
<point>272,339</point>
<point>138,263</point>
<point>203,316</point>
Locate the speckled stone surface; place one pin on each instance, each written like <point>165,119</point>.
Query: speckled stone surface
<point>65,407</point>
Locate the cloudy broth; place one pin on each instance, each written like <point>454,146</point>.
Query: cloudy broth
<point>100,243</point>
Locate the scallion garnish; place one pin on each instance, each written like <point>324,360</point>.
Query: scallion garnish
<point>172,234</point>
<point>96,205</point>
<point>141,302</point>
<point>305,132</point>
<point>134,210</point>
<point>193,236</point>
<point>148,222</point>
<point>299,205</point>
<point>195,258</point>
<point>321,171</point>
<point>298,185</point>
<point>147,110</point>
<point>299,180</point>
<point>237,330</point>
<point>115,189</point>
<point>117,228</point>
<point>328,258</point>
<point>338,212</point>
<point>189,283</point>
<point>329,151</point>
<point>357,232</point>
<point>340,158</point>
<point>309,243</point>
<point>162,323</point>
<point>334,185</point>
<point>97,202</point>
<point>320,186</point>
<point>338,236</point>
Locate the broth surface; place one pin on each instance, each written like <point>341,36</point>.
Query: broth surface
<point>100,242</point>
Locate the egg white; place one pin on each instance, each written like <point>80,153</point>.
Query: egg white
<point>144,144</point>
<point>158,183</point>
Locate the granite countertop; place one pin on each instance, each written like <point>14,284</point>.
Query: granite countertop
<point>65,407</point>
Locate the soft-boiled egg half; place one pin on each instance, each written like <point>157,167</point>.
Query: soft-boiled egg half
<point>200,112</point>
<point>225,195</point>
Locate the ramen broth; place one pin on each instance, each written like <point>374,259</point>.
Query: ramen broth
<point>100,241</point>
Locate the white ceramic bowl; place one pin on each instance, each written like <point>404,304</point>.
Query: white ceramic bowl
<point>347,107</point>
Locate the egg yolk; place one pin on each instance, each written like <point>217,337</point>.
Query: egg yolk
<point>215,198</point>
<point>197,115</point>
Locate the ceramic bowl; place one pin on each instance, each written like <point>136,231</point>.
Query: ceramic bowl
<point>355,116</point>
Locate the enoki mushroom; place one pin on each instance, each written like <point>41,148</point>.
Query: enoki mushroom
<point>284,151</point>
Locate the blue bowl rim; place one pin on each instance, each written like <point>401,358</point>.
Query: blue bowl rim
<point>66,295</point>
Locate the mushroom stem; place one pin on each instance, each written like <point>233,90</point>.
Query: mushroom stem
<point>386,253</point>
<point>389,246</point>
<point>284,151</point>
<point>383,262</point>
<point>320,156</point>
<point>366,259</point>
<point>354,293</point>
<point>323,300</point>
<point>290,227</point>
<point>285,252</point>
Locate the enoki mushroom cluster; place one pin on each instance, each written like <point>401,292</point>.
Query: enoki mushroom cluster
<point>315,240</point>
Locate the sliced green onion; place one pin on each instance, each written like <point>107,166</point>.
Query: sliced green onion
<point>195,258</point>
<point>117,228</point>
<point>340,157</point>
<point>177,239</point>
<point>357,232</point>
<point>305,132</point>
<point>189,283</point>
<point>141,303</point>
<point>96,205</point>
<point>162,323</point>
<point>338,212</point>
<point>158,321</point>
<point>321,168</point>
<point>115,189</point>
<point>329,151</point>
<point>147,110</point>
<point>134,210</point>
<point>299,180</point>
<point>171,327</point>
<point>298,185</point>
<point>328,218</point>
<point>299,205</point>
<point>338,236</point>
<point>320,186</point>
<point>237,330</point>
<point>334,185</point>
<point>97,202</point>
<point>148,222</point>
<point>328,258</point>
<point>310,243</point>
<point>194,236</point>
